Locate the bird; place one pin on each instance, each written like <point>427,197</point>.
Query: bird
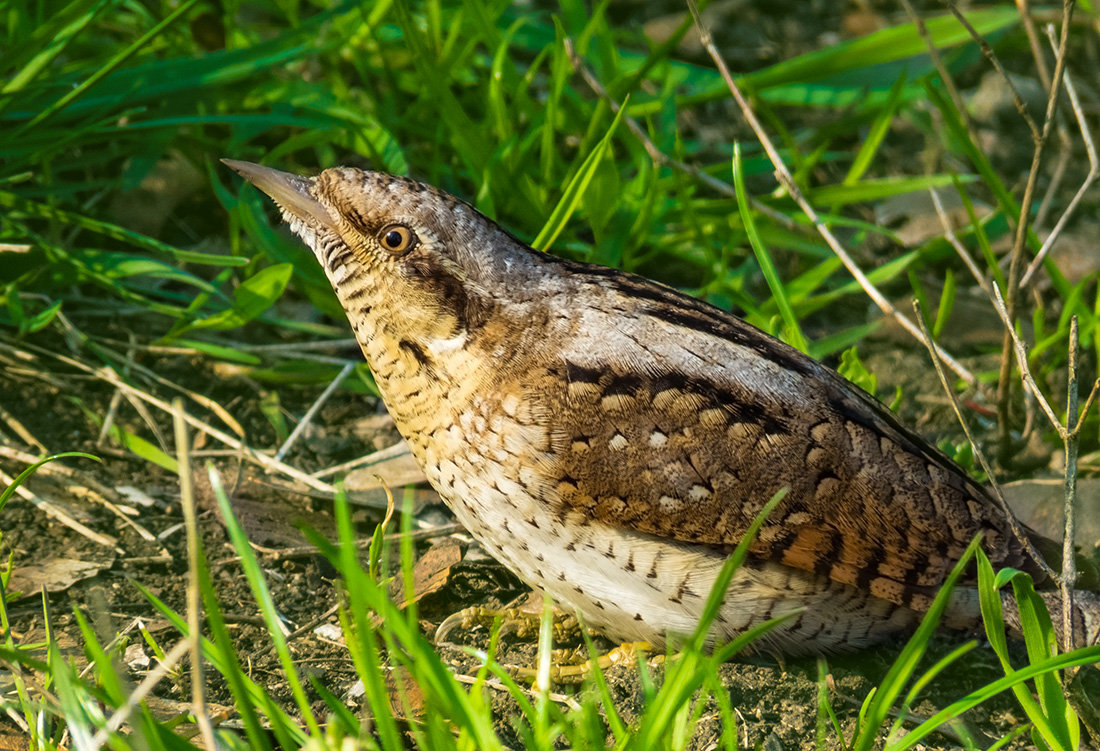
<point>610,439</point>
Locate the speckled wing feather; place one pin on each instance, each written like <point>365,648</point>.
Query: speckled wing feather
<point>683,421</point>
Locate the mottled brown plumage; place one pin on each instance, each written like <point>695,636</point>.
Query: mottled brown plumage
<point>611,439</point>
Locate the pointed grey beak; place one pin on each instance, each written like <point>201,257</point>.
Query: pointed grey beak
<point>290,191</point>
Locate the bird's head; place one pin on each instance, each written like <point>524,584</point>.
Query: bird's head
<point>426,264</point>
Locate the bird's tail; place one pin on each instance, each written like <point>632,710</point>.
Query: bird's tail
<point>964,613</point>
<point>1083,617</point>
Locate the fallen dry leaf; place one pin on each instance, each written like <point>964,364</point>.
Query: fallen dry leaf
<point>55,574</point>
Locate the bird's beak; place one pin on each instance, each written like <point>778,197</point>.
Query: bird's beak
<point>290,191</point>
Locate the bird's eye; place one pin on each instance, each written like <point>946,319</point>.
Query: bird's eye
<point>397,238</point>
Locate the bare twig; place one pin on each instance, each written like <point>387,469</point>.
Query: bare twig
<point>1016,256</point>
<point>308,417</point>
<point>398,449</point>
<point>949,234</point>
<point>783,175</point>
<point>1020,351</point>
<point>1024,7</point>
<point>1094,173</point>
<point>1021,105</point>
<point>1069,562</point>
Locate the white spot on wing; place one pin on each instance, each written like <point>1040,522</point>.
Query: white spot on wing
<point>446,346</point>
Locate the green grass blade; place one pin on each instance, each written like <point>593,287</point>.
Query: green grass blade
<point>868,150</point>
<point>883,46</point>
<point>1012,680</point>
<point>878,708</point>
<point>115,61</point>
<point>256,583</point>
<point>7,493</point>
<point>115,232</point>
<point>793,329</point>
<point>877,189</point>
<point>47,43</point>
<point>574,191</point>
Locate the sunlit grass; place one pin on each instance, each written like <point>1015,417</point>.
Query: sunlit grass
<point>483,100</point>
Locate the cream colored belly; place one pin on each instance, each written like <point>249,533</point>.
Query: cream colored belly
<point>636,587</point>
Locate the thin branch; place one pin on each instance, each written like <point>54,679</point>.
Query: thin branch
<point>1016,257</point>
<point>949,235</point>
<point>1020,351</point>
<point>1021,105</point>
<point>1094,173</point>
<point>783,175</point>
<point>1024,8</point>
<point>1069,561</point>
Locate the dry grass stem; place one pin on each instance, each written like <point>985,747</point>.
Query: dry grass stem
<point>783,175</point>
<point>109,418</point>
<point>1094,172</point>
<point>110,376</point>
<point>21,431</point>
<point>658,156</point>
<point>398,449</point>
<point>496,685</point>
<point>194,594</point>
<point>55,512</point>
<point>308,417</point>
<point>327,344</point>
<point>265,461</point>
<point>116,721</point>
<point>110,355</point>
